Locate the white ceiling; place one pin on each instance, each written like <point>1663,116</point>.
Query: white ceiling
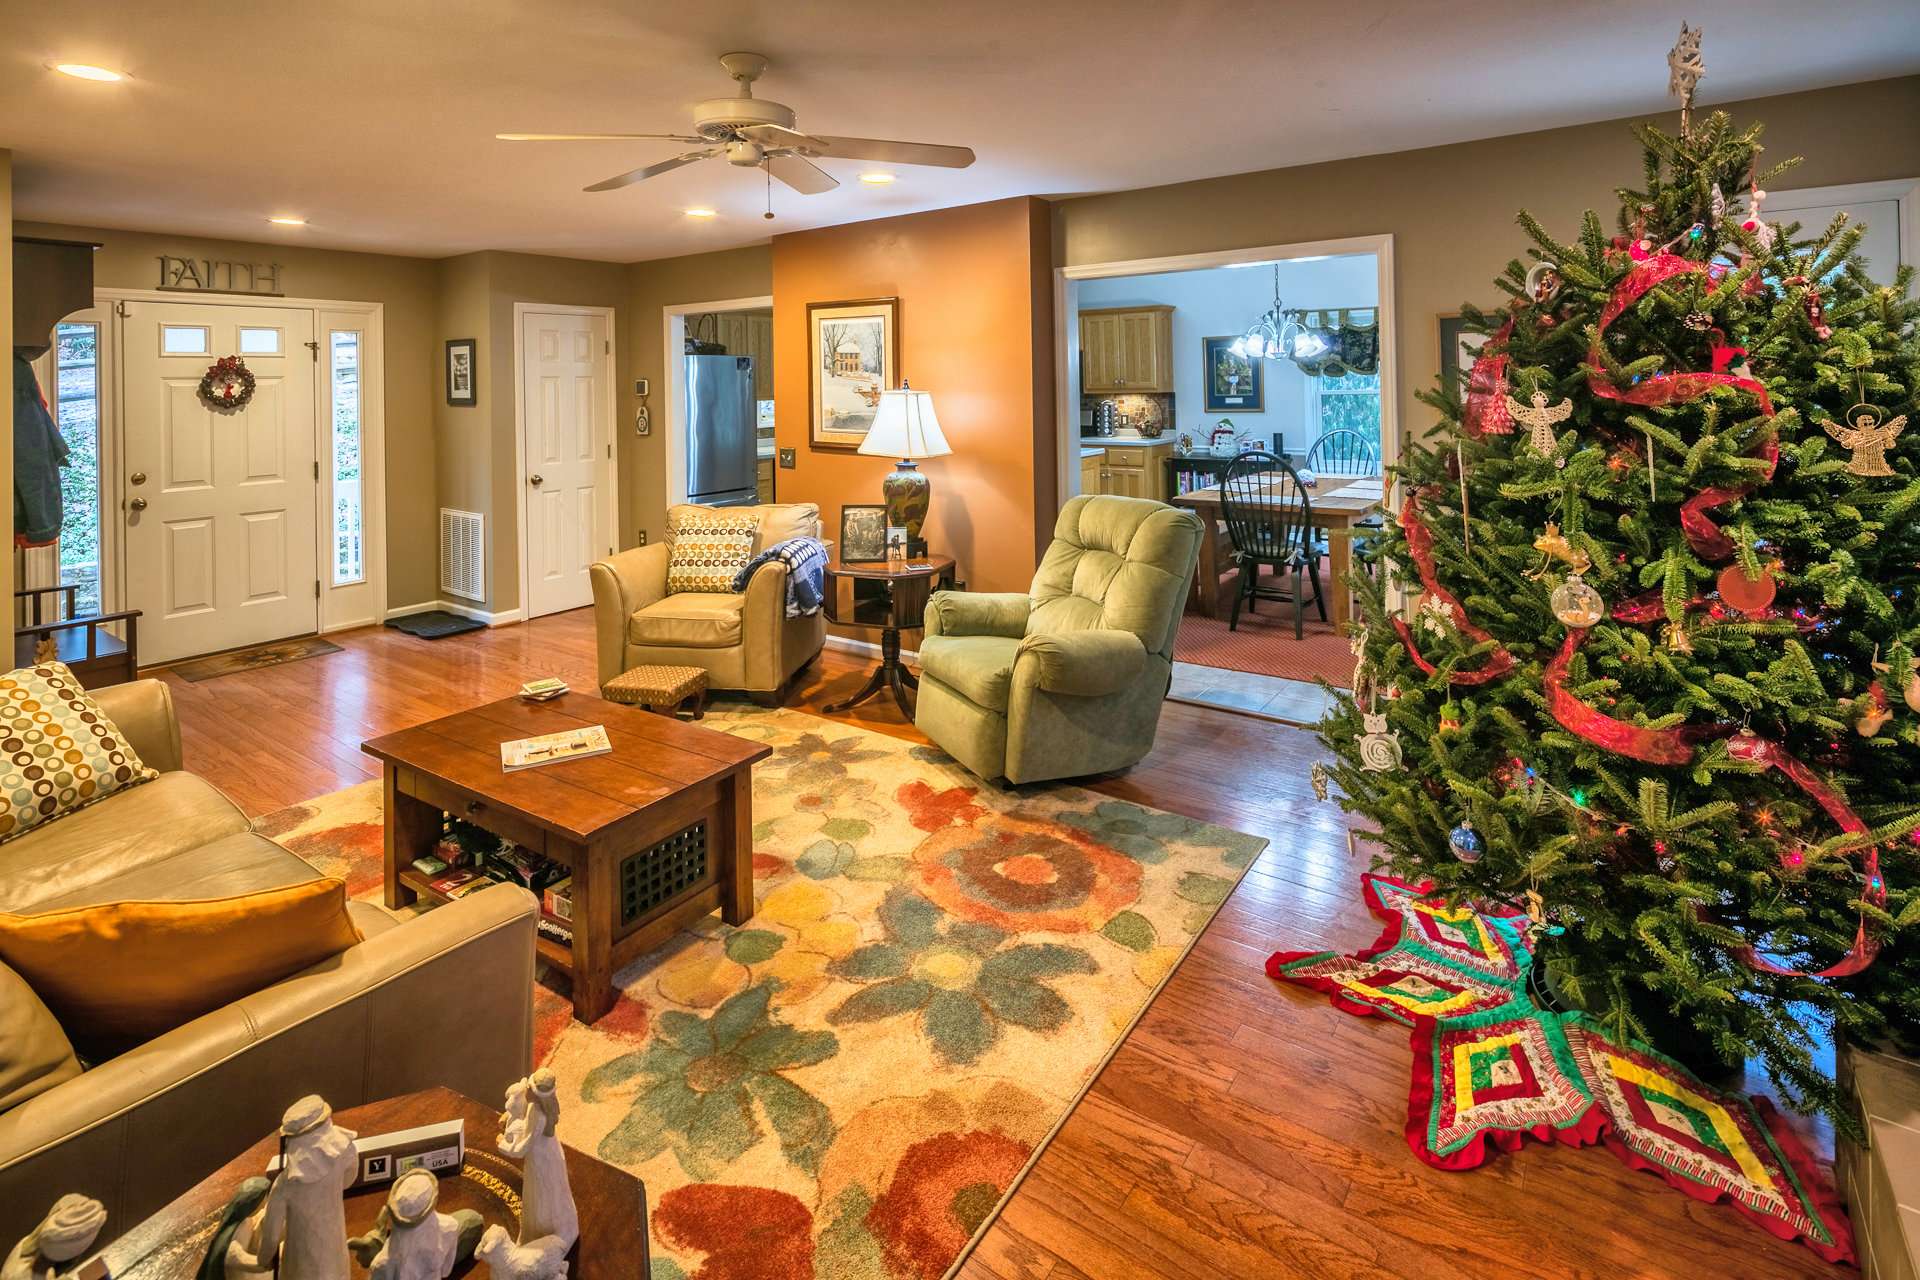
<point>374,118</point>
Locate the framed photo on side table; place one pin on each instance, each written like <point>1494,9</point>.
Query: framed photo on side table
<point>863,532</point>
<point>853,351</point>
<point>462,372</point>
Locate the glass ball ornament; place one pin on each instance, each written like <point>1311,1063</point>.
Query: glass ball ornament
<point>1466,843</point>
<point>1576,604</point>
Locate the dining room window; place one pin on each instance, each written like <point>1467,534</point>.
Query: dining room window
<point>1349,401</point>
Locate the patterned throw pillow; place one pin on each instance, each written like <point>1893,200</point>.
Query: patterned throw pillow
<point>58,750</point>
<point>708,549</point>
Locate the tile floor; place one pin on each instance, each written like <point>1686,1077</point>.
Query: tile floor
<point>1271,697</point>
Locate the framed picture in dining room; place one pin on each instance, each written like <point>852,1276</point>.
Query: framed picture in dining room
<point>853,351</point>
<point>1234,383</point>
<point>462,374</point>
<point>1459,348</point>
<point>863,532</point>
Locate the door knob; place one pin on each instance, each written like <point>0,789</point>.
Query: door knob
<point>137,504</point>
<point>533,480</point>
<point>138,477</point>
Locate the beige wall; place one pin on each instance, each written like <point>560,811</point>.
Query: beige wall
<point>128,260</point>
<point>652,287</point>
<point>6,378</point>
<point>1451,209</point>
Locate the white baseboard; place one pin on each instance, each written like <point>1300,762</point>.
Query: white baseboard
<point>867,647</point>
<point>460,608</point>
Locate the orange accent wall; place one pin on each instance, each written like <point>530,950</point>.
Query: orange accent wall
<point>976,329</point>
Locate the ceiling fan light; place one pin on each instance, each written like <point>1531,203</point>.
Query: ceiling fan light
<point>87,71</point>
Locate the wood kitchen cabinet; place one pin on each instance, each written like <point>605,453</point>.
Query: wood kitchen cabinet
<point>748,333</point>
<point>1126,350</point>
<point>1131,471</point>
<point>764,480</point>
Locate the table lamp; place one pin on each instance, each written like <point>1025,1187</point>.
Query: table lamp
<point>904,427</point>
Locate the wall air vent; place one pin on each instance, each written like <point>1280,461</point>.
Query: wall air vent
<point>463,570</point>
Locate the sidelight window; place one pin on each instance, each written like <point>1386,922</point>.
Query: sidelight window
<point>344,356</point>
<point>75,395</point>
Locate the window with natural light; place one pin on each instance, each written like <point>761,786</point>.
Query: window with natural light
<point>349,561</point>
<point>76,396</point>
<point>1348,402</point>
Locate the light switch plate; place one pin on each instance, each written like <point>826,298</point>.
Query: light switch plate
<point>786,459</point>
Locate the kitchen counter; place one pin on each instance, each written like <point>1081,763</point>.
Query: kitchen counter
<point>1092,450</point>
<point>1102,442</point>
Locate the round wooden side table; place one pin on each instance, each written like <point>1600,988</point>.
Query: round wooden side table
<point>891,595</point>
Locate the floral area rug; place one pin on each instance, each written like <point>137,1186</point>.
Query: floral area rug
<point>850,1085</point>
<point>1491,1068</point>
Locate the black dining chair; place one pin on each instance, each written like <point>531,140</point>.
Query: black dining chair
<point>1268,518</point>
<point>1343,452</point>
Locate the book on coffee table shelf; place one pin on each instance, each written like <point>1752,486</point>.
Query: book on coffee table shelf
<point>551,748</point>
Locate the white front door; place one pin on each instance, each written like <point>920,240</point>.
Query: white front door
<point>221,547</point>
<point>566,415</point>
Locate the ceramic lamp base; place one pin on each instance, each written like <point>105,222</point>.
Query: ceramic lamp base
<point>908,495</point>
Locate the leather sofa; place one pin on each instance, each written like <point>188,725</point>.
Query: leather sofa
<point>444,998</point>
<point>1068,678</point>
<point>743,641</point>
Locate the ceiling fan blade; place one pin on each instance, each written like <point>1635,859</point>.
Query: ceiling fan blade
<point>595,137</point>
<point>800,173</point>
<point>632,176</point>
<point>775,135</point>
<point>892,152</point>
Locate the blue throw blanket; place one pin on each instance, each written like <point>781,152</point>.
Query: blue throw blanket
<point>806,561</point>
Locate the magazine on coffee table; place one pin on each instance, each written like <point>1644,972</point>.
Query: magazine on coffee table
<point>551,748</point>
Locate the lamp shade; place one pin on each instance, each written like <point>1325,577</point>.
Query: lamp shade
<point>904,426</point>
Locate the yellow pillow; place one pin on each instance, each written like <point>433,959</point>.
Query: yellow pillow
<point>118,974</point>
<point>709,548</point>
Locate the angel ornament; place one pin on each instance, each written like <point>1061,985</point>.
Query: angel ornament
<point>1868,437</point>
<point>1541,418</point>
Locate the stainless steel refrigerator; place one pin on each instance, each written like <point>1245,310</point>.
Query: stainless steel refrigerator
<point>722,445</point>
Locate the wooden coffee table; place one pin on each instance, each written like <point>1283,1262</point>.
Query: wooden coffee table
<point>657,834</point>
<point>612,1203</point>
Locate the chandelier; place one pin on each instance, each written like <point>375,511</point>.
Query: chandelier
<point>1279,334</point>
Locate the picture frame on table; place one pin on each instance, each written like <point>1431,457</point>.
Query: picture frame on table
<point>1234,383</point>
<point>863,532</point>
<point>896,544</point>
<point>853,354</point>
<point>463,372</point>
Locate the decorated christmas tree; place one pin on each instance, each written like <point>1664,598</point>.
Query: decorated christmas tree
<point>1641,647</point>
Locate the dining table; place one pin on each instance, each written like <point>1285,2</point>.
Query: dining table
<point>1338,504</point>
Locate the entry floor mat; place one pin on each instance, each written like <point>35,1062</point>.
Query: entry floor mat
<point>252,659</point>
<point>435,624</point>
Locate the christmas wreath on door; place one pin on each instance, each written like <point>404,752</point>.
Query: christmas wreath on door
<point>227,384</point>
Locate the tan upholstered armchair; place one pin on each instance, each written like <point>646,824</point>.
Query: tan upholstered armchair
<point>1068,678</point>
<point>743,641</point>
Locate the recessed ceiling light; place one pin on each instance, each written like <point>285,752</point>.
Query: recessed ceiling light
<point>83,71</point>
<point>701,213</point>
<point>876,179</point>
<point>288,222</point>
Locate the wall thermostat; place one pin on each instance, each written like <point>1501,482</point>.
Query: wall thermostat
<point>640,386</point>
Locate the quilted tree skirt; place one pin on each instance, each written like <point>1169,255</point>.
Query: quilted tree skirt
<point>1491,1069</point>
<point>851,1084</point>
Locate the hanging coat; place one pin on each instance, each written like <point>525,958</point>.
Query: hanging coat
<point>38,455</point>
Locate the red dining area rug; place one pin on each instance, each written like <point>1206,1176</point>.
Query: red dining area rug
<point>1491,1068</point>
<point>1264,644</point>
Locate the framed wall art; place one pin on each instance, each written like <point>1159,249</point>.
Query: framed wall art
<point>1458,350</point>
<point>853,355</point>
<point>1234,383</point>
<point>463,372</point>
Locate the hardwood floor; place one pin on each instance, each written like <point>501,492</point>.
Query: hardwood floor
<point>1244,1129</point>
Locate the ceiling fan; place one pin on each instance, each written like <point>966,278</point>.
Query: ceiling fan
<point>758,133</point>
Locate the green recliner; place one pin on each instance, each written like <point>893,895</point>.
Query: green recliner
<point>1067,679</point>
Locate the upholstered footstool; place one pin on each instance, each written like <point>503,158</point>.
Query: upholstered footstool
<point>665,690</point>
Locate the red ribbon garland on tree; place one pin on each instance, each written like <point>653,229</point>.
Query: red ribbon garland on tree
<point>1485,412</point>
<point>1420,548</point>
